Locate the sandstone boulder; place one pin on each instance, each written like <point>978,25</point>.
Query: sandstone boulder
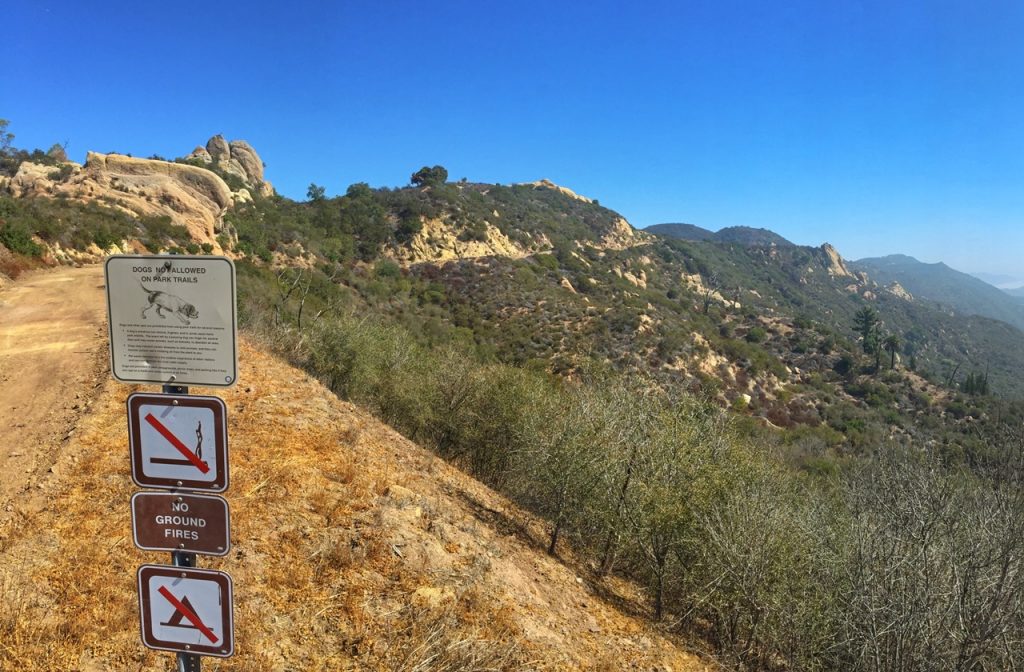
<point>237,158</point>
<point>201,154</point>
<point>249,160</point>
<point>218,148</point>
<point>897,290</point>
<point>29,176</point>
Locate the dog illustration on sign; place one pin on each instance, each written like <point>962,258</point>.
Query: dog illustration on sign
<point>164,302</point>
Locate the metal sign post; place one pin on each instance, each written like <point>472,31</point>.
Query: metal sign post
<point>173,321</point>
<point>187,662</point>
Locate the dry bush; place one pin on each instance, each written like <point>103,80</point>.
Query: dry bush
<point>13,265</point>
<point>451,638</point>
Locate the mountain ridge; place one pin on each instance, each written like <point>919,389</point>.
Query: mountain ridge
<point>741,235</point>
<point>943,285</point>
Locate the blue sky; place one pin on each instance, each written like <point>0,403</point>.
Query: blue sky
<point>880,127</point>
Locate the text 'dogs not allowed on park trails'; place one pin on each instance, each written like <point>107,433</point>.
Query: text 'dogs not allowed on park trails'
<point>172,319</point>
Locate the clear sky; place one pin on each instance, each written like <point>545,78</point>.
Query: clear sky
<point>879,126</point>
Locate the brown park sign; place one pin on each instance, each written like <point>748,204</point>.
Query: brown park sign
<point>178,441</point>
<point>163,521</point>
<point>186,610</point>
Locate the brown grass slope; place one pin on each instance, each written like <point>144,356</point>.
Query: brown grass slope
<point>353,549</point>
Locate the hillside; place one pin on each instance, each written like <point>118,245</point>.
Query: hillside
<point>724,424</point>
<point>763,326</point>
<point>353,548</point>
<point>945,286</point>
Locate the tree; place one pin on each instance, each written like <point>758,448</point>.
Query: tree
<point>975,383</point>
<point>363,216</point>
<point>430,177</point>
<point>5,137</point>
<point>709,291</point>
<point>865,322</point>
<point>316,192</point>
<point>634,409</point>
<point>58,152</point>
<point>680,471</point>
<point>891,345</point>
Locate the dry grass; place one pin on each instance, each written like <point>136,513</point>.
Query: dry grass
<point>353,549</point>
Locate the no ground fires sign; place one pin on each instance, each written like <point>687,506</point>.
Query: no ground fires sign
<point>172,320</point>
<point>165,521</point>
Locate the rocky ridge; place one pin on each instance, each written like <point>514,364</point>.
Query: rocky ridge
<point>237,158</point>
<point>188,194</point>
<point>548,184</point>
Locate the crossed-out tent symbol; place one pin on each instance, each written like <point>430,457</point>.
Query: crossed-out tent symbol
<point>184,615</point>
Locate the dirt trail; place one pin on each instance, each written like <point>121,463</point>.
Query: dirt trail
<point>52,358</point>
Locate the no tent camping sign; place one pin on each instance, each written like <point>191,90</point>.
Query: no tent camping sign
<point>172,320</point>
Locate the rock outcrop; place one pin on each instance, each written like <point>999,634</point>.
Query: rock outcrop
<point>897,290</point>
<point>236,158</point>
<point>834,263</point>
<point>437,241</point>
<point>548,184</point>
<point>621,236</point>
<point>189,195</point>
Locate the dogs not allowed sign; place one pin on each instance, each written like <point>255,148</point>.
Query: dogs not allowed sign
<point>172,320</point>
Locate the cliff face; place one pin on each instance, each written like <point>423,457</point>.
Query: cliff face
<point>189,195</point>
<point>834,263</point>
<point>437,242</point>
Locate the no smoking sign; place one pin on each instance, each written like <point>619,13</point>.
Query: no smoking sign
<point>178,441</point>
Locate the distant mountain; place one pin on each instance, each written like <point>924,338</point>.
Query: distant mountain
<point>937,282</point>
<point>740,235</point>
<point>745,235</point>
<point>681,231</point>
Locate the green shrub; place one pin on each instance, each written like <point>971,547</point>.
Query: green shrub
<point>756,335</point>
<point>17,238</point>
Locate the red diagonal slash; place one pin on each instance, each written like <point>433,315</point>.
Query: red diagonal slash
<point>174,441</point>
<point>187,613</point>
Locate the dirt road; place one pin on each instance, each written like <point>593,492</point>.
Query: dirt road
<point>52,358</point>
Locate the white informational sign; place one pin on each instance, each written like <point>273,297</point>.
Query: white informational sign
<point>185,609</point>
<point>178,441</point>
<point>172,320</point>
